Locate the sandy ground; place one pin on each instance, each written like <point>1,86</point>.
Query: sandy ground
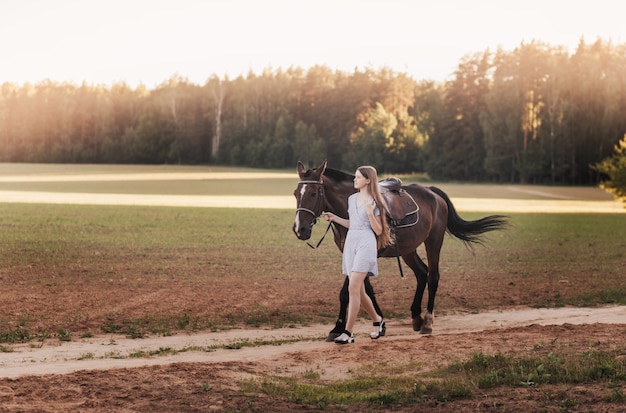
<point>100,375</point>
<point>287,202</point>
<point>111,351</point>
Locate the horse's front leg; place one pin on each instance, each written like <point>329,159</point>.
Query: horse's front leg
<point>344,299</point>
<point>340,325</point>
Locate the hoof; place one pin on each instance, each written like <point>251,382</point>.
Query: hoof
<point>427,327</point>
<point>332,336</point>
<point>336,331</point>
<point>417,324</point>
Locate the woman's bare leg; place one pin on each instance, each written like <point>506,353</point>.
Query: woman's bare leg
<point>355,288</point>
<point>368,306</point>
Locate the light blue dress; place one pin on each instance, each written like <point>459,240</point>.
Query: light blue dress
<point>359,251</point>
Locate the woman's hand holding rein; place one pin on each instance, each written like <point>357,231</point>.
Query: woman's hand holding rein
<point>329,216</point>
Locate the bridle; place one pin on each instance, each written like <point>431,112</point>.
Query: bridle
<point>320,199</point>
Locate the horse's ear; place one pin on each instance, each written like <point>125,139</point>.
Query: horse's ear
<point>322,168</point>
<point>301,168</point>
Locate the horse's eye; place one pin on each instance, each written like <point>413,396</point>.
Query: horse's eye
<point>313,194</point>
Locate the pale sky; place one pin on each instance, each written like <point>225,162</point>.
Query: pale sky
<point>149,41</point>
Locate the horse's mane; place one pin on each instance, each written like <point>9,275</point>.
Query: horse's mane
<point>338,175</point>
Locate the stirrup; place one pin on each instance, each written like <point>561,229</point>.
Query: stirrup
<point>381,329</point>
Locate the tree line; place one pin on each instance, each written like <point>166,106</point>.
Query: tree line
<point>536,114</point>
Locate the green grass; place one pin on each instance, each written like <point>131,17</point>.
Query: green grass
<point>554,260</point>
<point>401,385</point>
<point>246,186</point>
<point>208,255</point>
<point>488,371</point>
<point>68,252</point>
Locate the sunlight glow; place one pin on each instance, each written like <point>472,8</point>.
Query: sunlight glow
<point>287,202</point>
<point>148,42</point>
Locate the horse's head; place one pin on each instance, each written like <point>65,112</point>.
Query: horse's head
<point>309,198</point>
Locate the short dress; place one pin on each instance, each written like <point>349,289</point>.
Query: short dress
<point>359,251</point>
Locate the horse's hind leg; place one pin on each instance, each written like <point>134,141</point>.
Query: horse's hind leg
<point>433,249</point>
<point>344,298</point>
<point>421,272</point>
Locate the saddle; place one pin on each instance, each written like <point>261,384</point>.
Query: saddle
<point>402,210</point>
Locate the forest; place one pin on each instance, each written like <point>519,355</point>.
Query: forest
<point>536,114</point>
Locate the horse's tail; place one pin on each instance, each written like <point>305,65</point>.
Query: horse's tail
<point>470,231</point>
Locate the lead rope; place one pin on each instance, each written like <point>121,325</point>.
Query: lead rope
<point>322,239</point>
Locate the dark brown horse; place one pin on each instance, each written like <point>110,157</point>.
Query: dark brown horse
<point>326,189</point>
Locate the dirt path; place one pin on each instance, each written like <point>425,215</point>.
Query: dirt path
<point>110,351</point>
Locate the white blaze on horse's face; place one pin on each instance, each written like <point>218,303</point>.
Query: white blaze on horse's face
<point>309,195</point>
<point>297,221</point>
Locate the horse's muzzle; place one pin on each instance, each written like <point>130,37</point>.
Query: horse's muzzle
<point>303,233</point>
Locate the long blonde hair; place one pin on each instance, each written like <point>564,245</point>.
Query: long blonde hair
<point>369,172</point>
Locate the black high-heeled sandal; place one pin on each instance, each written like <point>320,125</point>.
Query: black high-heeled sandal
<point>380,331</point>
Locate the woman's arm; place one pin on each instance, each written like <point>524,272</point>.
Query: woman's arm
<point>375,220</point>
<point>329,216</point>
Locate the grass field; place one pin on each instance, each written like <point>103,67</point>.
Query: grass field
<point>103,268</point>
<point>199,180</point>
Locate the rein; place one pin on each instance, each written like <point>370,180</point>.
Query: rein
<point>321,239</point>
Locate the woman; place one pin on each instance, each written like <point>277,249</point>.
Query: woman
<point>368,232</point>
